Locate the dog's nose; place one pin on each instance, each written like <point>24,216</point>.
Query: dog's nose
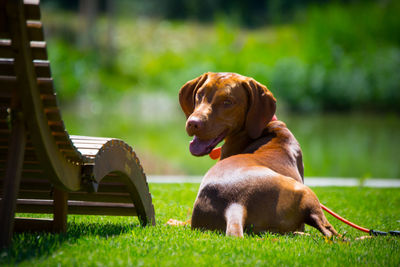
<point>193,125</point>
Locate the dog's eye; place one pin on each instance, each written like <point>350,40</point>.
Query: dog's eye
<point>199,96</point>
<point>228,102</point>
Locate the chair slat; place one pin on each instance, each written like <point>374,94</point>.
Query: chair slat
<point>7,85</point>
<point>49,100</point>
<point>39,50</point>
<point>45,85</point>
<point>79,196</point>
<point>81,138</point>
<point>42,68</point>
<point>61,138</point>
<point>76,207</point>
<point>35,194</point>
<point>27,168</point>
<point>57,128</point>
<point>7,67</point>
<point>88,152</point>
<point>26,148</point>
<point>84,143</point>
<point>112,187</point>
<point>28,173</point>
<point>35,184</point>
<point>29,153</point>
<point>95,146</point>
<point>112,197</point>
<point>6,49</point>
<point>35,30</point>
<point>101,208</point>
<point>32,9</point>
<point>53,114</point>
<point>4,142</point>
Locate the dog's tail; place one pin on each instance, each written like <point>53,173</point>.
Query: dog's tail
<point>235,216</point>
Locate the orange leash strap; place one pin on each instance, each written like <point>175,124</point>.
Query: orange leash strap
<point>344,220</point>
<point>370,231</point>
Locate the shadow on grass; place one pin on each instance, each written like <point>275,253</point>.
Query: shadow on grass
<point>28,245</point>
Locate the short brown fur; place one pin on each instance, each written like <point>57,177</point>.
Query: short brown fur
<point>257,185</point>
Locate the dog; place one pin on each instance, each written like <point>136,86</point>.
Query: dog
<point>257,185</point>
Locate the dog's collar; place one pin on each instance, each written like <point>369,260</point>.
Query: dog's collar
<point>216,152</point>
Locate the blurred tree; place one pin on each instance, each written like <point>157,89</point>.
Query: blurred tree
<point>88,10</point>
<point>110,45</point>
<point>250,13</point>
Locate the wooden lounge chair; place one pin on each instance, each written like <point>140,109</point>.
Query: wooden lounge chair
<point>42,168</point>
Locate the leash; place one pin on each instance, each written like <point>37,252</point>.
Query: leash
<point>369,231</point>
<point>216,154</point>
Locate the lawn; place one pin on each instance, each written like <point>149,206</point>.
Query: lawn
<point>108,241</point>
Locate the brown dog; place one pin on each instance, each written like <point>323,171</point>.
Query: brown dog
<point>258,183</point>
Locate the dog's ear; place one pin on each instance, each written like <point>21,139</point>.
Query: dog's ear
<point>188,92</point>
<point>261,109</point>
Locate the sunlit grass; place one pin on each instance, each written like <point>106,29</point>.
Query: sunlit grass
<point>103,240</point>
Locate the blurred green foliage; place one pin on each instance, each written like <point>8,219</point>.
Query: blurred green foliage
<point>329,58</point>
<point>333,58</point>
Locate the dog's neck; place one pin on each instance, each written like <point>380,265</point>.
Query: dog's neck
<point>235,144</point>
<point>241,143</point>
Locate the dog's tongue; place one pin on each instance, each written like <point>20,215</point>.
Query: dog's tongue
<point>201,147</point>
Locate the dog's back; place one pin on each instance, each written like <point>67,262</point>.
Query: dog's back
<point>278,149</point>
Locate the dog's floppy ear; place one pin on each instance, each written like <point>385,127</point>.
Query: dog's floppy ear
<point>187,94</point>
<point>261,109</point>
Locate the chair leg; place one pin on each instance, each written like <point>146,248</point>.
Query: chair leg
<point>12,179</point>
<point>60,210</point>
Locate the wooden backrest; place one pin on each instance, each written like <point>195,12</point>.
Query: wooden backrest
<point>26,85</point>
<point>52,157</point>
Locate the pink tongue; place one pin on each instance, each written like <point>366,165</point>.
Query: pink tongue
<point>201,147</point>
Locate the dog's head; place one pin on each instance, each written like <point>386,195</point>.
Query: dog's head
<point>218,105</point>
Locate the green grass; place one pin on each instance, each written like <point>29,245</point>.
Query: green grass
<point>108,241</point>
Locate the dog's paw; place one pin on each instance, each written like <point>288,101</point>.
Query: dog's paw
<point>301,233</point>
<point>173,222</point>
